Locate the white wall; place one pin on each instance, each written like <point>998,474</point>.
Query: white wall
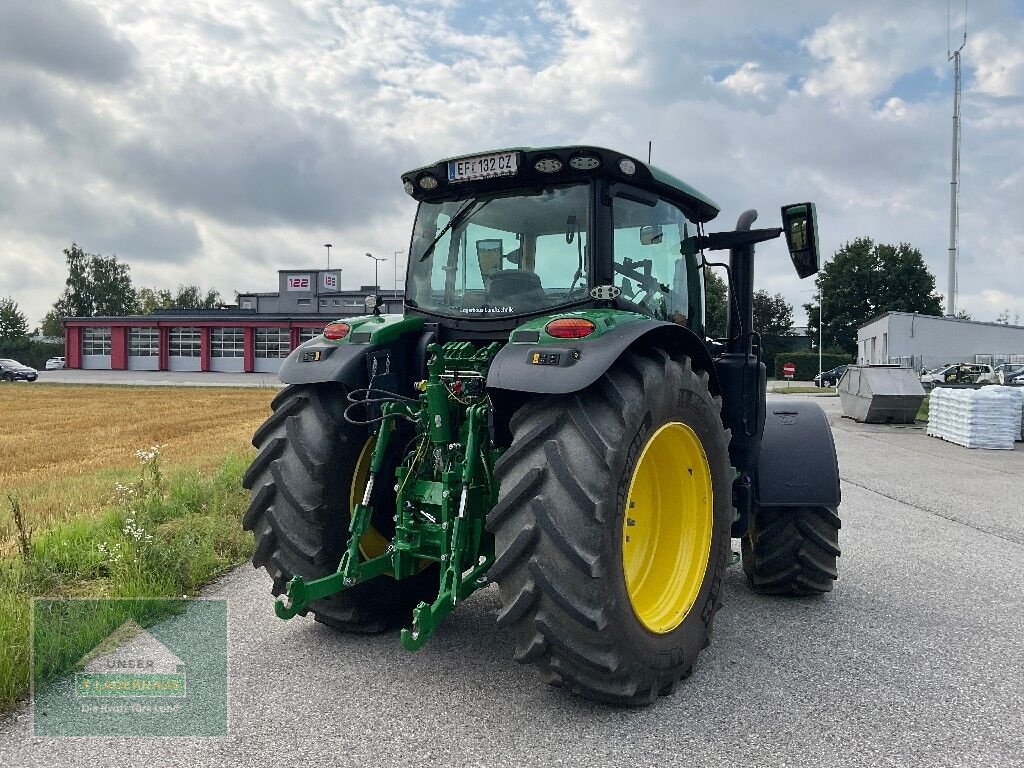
<point>935,340</point>
<point>143,362</point>
<point>96,362</point>
<point>182,363</point>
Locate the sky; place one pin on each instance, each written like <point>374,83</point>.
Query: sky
<point>214,142</point>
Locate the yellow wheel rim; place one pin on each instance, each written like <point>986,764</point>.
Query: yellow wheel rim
<point>372,543</point>
<point>666,529</point>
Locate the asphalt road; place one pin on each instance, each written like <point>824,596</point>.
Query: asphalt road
<point>913,660</point>
<point>159,378</point>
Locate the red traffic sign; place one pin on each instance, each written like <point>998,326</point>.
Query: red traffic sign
<point>788,370</point>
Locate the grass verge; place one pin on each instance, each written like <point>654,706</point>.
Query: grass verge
<point>163,535</point>
<point>922,412</point>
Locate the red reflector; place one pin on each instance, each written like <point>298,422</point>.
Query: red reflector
<point>570,328</point>
<point>336,331</point>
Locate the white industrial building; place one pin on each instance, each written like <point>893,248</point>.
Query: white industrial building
<point>928,341</point>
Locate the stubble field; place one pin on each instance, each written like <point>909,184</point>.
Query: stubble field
<point>115,492</point>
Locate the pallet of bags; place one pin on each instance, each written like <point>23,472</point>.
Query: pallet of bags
<point>990,417</point>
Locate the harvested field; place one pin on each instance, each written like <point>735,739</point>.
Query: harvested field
<point>63,447</point>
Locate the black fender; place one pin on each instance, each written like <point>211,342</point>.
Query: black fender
<point>344,363</point>
<point>797,465</point>
<point>582,362</point>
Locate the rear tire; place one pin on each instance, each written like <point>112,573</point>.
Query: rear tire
<point>792,550</point>
<point>560,540</point>
<point>299,514</point>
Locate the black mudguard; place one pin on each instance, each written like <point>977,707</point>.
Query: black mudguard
<point>582,362</point>
<point>345,364</point>
<point>798,464</point>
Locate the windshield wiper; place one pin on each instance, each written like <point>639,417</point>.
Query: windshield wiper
<point>464,212</point>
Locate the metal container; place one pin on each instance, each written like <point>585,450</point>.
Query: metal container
<point>881,394</point>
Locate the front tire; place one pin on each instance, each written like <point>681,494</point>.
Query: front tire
<point>302,483</point>
<point>599,612</point>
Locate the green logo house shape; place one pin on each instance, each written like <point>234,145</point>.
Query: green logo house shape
<point>131,663</point>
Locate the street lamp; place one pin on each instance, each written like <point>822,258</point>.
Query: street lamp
<point>397,254</point>
<point>376,263</point>
<point>821,332</point>
<point>821,327</point>
<point>328,247</point>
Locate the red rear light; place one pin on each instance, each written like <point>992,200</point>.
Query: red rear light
<point>570,328</point>
<point>336,331</point>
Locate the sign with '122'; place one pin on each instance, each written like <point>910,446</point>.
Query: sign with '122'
<point>298,282</point>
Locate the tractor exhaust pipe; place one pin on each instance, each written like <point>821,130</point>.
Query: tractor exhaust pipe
<point>741,288</point>
<point>742,377</point>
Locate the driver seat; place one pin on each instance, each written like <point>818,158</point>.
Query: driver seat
<point>518,288</point>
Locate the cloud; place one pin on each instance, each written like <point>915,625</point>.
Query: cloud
<point>228,140</point>
<point>64,38</point>
<point>749,80</point>
<point>997,58</point>
<point>862,52</point>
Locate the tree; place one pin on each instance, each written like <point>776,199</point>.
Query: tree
<point>152,299</point>
<point>1004,317</point>
<point>864,280</point>
<point>963,314</point>
<point>13,323</point>
<point>187,297</point>
<point>192,297</point>
<point>53,324</point>
<point>716,312</point>
<point>96,286</point>
<point>773,315</point>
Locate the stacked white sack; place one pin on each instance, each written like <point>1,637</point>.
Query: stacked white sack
<point>989,417</point>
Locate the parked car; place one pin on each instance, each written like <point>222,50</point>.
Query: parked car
<point>1010,373</point>
<point>987,377</point>
<point>830,378</point>
<point>957,373</point>
<point>12,370</point>
<point>55,363</point>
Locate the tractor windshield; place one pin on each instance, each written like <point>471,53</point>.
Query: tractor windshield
<point>501,254</point>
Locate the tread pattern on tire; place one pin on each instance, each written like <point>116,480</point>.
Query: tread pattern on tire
<point>296,512</point>
<point>557,502</point>
<point>792,550</point>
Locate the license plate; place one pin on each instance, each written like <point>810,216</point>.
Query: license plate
<point>483,166</point>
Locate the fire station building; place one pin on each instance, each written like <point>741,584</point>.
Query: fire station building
<point>254,336</point>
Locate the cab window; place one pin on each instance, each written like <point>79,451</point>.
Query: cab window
<point>656,265</point>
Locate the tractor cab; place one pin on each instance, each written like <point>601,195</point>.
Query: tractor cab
<point>506,236</point>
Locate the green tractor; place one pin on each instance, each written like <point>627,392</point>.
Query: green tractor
<point>549,415</point>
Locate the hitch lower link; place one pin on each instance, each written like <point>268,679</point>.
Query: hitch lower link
<point>443,492</point>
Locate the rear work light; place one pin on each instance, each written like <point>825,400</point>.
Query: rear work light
<point>570,328</point>
<point>335,331</point>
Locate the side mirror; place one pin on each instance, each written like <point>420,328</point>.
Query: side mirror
<point>651,234</point>
<point>800,225</point>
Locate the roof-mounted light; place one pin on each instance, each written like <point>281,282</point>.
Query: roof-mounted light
<point>548,165</point>
<point>336,331</point>
<point>627,166</point>
<point>585,162</point>
<point>409,188</point>
<point>428,182</point>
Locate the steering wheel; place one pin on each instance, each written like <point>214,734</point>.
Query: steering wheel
<point>646,286</point>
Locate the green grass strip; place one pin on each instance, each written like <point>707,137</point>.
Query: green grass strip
<point>165,536</point>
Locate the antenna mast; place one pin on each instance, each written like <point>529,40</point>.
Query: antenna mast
<point>954,184</point>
